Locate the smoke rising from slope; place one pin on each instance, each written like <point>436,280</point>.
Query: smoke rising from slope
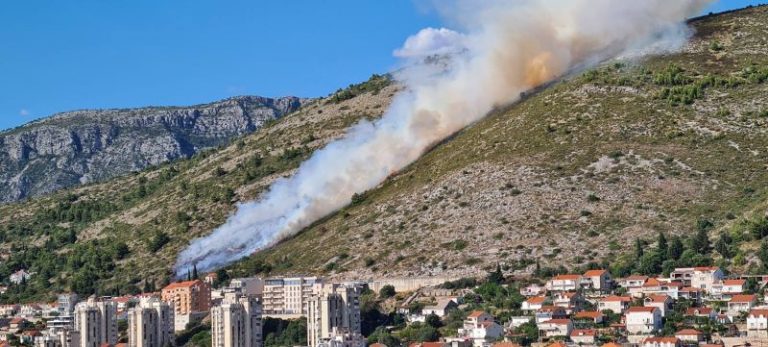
<point>506,47</point>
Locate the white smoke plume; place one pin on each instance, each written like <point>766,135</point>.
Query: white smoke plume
<point>508,47</point>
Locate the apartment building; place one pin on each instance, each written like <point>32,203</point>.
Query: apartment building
<point>150,324</point>
<point>288,297</point>
<point>66,303</point>
<point>757,323</point>
<point>643,320</point>
<point>191,300</point>
<point>702,277</point>
<point>236,322</point>
<point>334,311</point>
<point>96,322</point>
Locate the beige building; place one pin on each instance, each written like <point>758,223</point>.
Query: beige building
<point>288,297</point>
<point>191,301</point>
<point>96,322</point>
<point>236,322</point>
<point>58,338</point>
<point>150,324</point>
<point>335,311</point>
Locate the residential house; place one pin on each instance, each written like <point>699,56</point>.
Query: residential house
<point>633,284</point>
<point>617,304</point>
<point>599,280</point>
<point>555,328</point>
<point>570,301</point>
<point>660,301</point>
<point>706,312</point>
<point>727,288</point>
<point>550,312</point>
<point>564,283</point>
<point>517,321</point>
<point>656,286</point>
<point>480,328</point>
<point>741,303</point>
<point>534,303</point>
<point>690,335</point>
<point>440,309</point>
<point>18,323</point>
<point>210,278</point>
<point>584,336</point>
<point>643,320</point>
<point>595,317</point>
<point>757,323</point>
<point>690,293</point>
<point>661,342</point>
<point>532,290</point>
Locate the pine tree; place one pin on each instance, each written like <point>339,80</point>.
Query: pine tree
<point>763,254</point>
<point>700,242</point>
<point>722,246</point>
<point>662,247</point>
<point>639,251</point>
<point>675,249</point>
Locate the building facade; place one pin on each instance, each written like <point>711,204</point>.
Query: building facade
<point>335,311</point>
<point>191,300</point>
<point>289,297</point>
<point>96,322</point>
<point>236,322</point>
<point>150,324</point>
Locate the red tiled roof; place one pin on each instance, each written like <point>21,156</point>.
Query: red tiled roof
<point>567,277</point>
<point>759,312</point>
<point>536,300</point>
<point>636,278</point>
<point>658,298</point>
<point>557,344</point>
<point>690,290</point>
<point>687,332</point>
<point>503,344</point>
<point>476,314</point>
<point>589,314</point>
<point>611,344</point>
<point>742,298</point>
<point>734,282</point>
<point>593,273</point>
<point>652,282</point>
<point>185,284</point>
<point>583,332</point>
<point>641,309</point>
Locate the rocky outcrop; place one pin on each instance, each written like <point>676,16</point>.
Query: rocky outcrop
<point>80,147</point>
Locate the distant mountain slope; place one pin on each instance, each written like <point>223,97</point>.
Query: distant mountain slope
<point>87,146</point>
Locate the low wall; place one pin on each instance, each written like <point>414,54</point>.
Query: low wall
<point>408,284</point>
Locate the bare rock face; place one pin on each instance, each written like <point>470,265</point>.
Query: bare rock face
<point>80,147</point>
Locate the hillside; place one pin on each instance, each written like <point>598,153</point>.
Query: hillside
<point>73,148</point>
<point>123,235</point>
<point>574,173</point>
<point>570,175</point>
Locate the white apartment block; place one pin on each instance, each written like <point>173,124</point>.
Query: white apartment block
<point>66,304</point>
<point>643,320</point>
<point>757,323</point>
<point>96,322</point>
<point>236,322</point>
<point>289,297</point>
<point>335,311</point>
<point>564,283</point>
<point>703,277</point>
<point>150,324</point>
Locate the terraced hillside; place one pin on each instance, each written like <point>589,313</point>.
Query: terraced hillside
<point>575,173</point>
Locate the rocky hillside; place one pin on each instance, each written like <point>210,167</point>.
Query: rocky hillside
<point>570,175</point>
<point>574,173</point>
<point>81,147</point>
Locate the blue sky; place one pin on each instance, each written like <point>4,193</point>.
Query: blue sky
<point>64,55</point>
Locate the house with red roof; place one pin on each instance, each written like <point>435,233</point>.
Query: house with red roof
<point>661,342</point>
<point>727,288</point>
<point>595,317</point>
<point>660,301</point>
<point>570,301</point>
<point>633,284</point>
<point>480,328</point>
<point>757,323</point>
<point>690,335</point>
<point>534,303</point>
<point>584,336</point>
<point>741,303</point>
<point>657,286</point>
<point>564,283</point>
<point>707,312</point>
<point>598,280</point>
<point>642,320</point>
<point>550,312</point>
<point>701,277</point>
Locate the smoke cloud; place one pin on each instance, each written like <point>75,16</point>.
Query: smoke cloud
<point>506,47</point>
